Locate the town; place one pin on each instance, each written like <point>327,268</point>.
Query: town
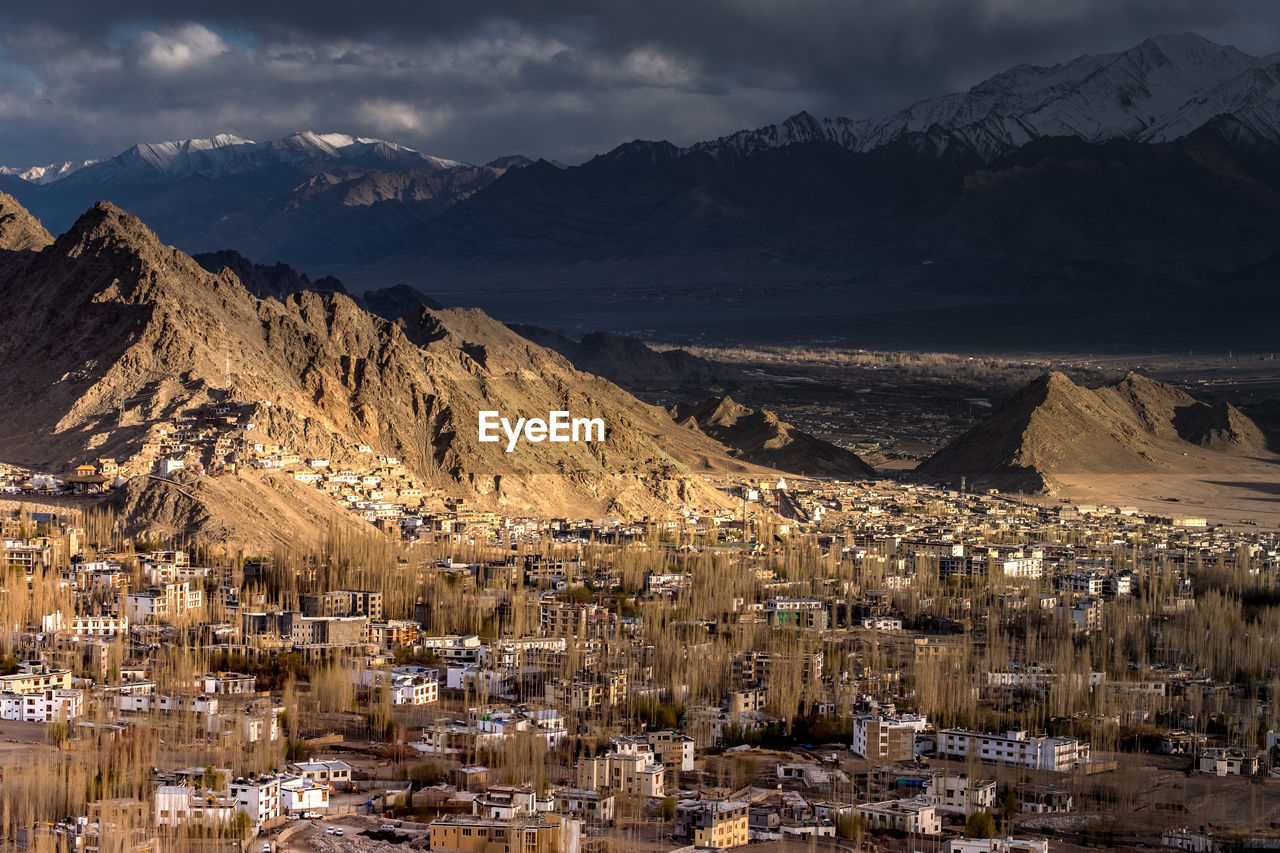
<point>833,664</point>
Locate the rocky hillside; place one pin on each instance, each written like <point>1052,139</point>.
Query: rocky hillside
<point>1054,427</point>
<point>110,337</point>
<point>759,436</point>
<point>19,230</point>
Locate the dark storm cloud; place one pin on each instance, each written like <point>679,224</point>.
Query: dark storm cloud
<point>559,79</point>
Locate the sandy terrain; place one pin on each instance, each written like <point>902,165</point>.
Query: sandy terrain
<point>1222,488</point>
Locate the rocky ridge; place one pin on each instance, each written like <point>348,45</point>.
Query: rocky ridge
<point>111,336</point>
<point>1054,427</point>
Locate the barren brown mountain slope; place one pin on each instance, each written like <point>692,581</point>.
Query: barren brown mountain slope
<point>108,338</point>
<point>1054,428</point>
<point>19,230</point>
<point>759,436</point>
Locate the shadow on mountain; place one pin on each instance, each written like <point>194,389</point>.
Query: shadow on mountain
<point>1252,486</point>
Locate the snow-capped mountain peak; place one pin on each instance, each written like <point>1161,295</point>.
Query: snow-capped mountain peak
<point>47,173</point>
<point>1157,91</point>
<point>226,154</point>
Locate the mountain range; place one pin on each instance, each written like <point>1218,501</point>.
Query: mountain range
<point>118,346</point>
<point>111,341</point>
<point>313,197</point>
<point>1158,91</point>
<point>1112,192</point>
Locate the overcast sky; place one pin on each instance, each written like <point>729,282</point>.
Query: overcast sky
<point>562,79</point>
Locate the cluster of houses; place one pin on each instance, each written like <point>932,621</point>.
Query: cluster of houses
<point>584,657</point>
<point>214,797</point>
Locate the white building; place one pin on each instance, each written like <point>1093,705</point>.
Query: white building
<point>258,797</point>
<point>298,794</point>
<point>412,685</point>
<point>1014,749</point>
<point>997,845</point>
<point>958,794</point>
<point>489,730</point>
<point>508,802</point>
<point>330,772</point>
<point>178,805</point>
<point>258,721</point>
<point>455,648</point>
<point>107,626</point>
<point>46,706</point>
<point>228,683</point>
<point>165,603</point>
<point>916,815</point>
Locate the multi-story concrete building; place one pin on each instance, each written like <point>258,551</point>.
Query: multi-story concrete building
<point>587,692</point>
<point>179,805</point>
<point>713,824</point>
<point>44,706</point>
<point>631,773</point>
<point>1085,614</point>
<point>1015,749</point>
<point>807,613</point>
<point>35,677</point>
<point>591,806</point>
<point>567,619</point>
<point>469,834</point>
<point>674,750</point>
<point>344,602</point>
<point>915,816</point>
<point>257,796</point>
<point>164,603</point>
<point>887,738</point>
<point>959,794</point>
<point>409,685</point>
